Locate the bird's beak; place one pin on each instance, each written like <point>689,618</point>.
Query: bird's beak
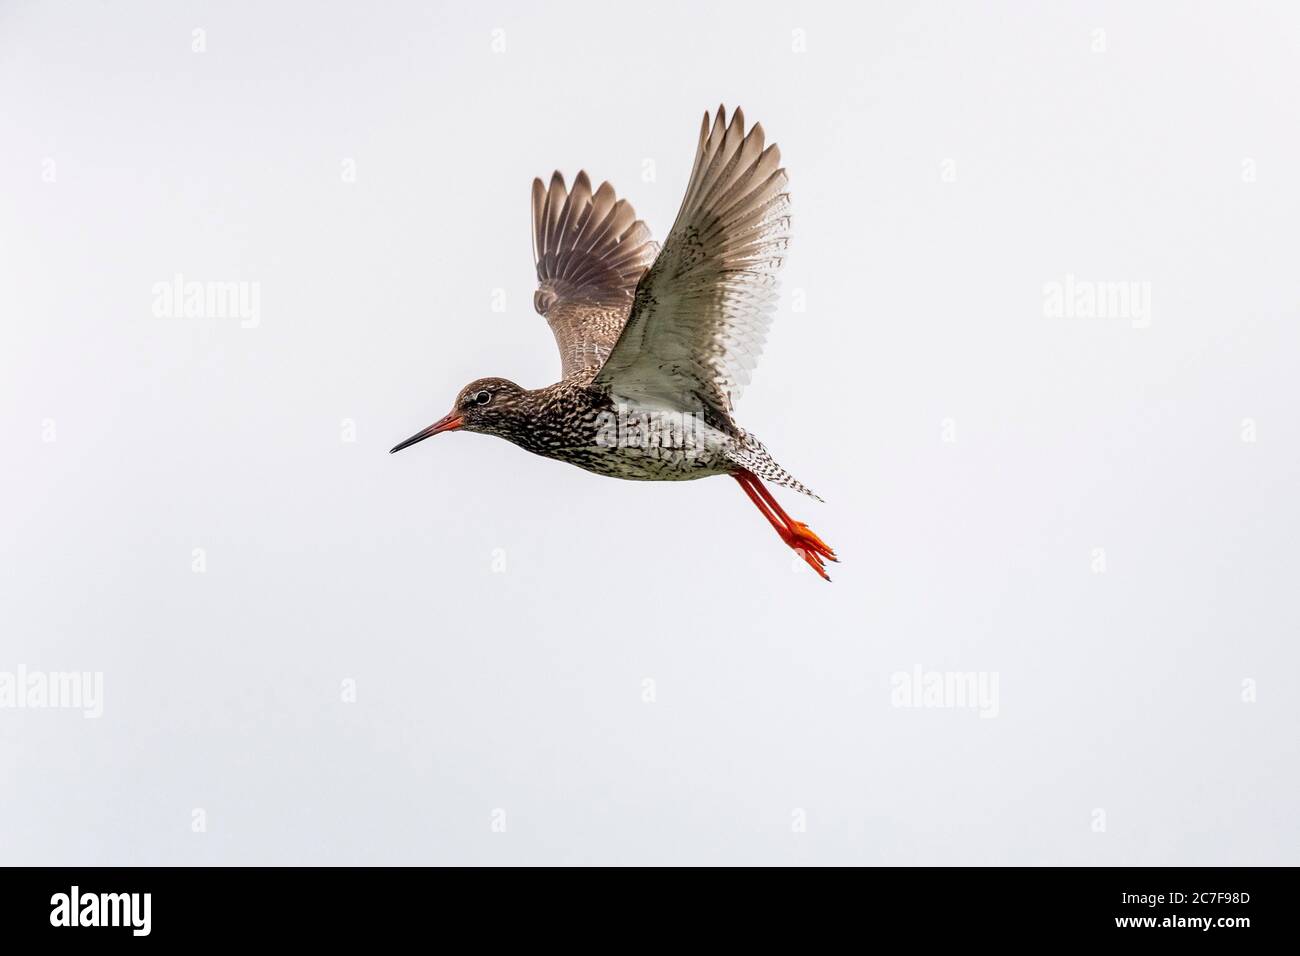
<point>449,423</point>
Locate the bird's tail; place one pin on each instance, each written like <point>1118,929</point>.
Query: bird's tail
<point>749,453</point>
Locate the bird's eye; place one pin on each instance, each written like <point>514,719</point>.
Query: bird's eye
<point>483,397</point>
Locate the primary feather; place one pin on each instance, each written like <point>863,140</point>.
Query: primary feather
<point>590,251</point>
<point>700,316</point>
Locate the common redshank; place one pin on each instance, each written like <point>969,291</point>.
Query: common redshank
<point>655,345</point>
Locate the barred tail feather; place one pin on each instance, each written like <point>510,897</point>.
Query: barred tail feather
<point>749,453</point>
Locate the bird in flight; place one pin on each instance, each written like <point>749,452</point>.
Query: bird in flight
<point>655,344</point>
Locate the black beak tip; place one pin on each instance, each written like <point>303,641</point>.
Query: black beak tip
<point>414,439</point>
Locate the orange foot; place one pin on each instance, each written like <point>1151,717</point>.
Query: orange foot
<point>797,535</point>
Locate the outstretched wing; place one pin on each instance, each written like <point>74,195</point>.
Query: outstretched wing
<point>590,250</point>
<point>701,314</point>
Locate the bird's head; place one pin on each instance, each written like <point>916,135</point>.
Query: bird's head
<point>488,405</point>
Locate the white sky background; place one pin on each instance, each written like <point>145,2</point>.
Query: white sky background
<point>522,691</point>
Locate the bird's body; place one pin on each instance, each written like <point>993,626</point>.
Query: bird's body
<point>584,426</point>
<point>581,423</point>
<point>655,345</point>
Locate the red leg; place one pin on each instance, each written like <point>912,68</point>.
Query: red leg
<point>797,527</point>
<point>795,534</point>
<point>781,528</point>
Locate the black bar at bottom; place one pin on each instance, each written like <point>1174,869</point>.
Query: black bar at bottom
<point>368,905</point>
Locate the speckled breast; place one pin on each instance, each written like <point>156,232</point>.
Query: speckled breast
<point>636,442</point>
